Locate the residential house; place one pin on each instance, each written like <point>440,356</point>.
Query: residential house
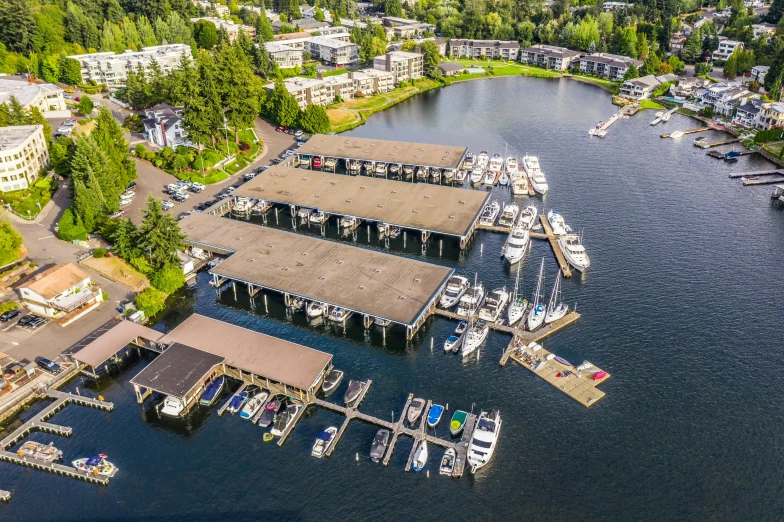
<point>23,154</point>
<point>404,66</point>
<point>765,28</point>
<point>610,66</point>
<point>372,81</point>
<point>284,55</point>
<point>221,9</point>
<point>46,97</point>
<point>687,86</point>
<point>726,48</point>
<point>63,293</point>
<point>746,114</point>
<point>724,97</point>
<point>770,116</point>
<point>163,126</point>
<point>639,88</point>
<point>484,49</point>
<point>332,51</point>
<point>450,68</point>
<point>231,28</point>
<point>759,72</point>
<point>112,69</point>
<point>677,41</point>
<point>613,6</point>
<point>395,21</point>
<point>309,12</point>
<point>550,57</point>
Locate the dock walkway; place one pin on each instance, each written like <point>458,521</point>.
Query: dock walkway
<point>536,335</point>
<point>689,131</point>
<point>567,272</point>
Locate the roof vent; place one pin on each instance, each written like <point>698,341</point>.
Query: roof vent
<point>377,270</point>
<point>381,206</point>
<point>394,192</point>
<point>417,280</point>
<point>402,298</point>
<point>340,262</point>
<point>361,287</point>
<point>348,201</point>
<point>451,217</point>
<point>285,269</point>
<point>462,202</point>
<point>415,211</point>
<point>323,278</point>
<point>362,187</point>
<point>191,227</point>
<point>304,254</point>
<point>304,179</point>
<point>316,196</point>
<point>270,246</point>
<point>333,183</point>
<point>422,150</point>
<point>427,197</point>
<point>251,260</point>
<point>238,238</point>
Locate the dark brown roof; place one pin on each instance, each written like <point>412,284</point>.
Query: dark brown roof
<point>114,340</point>
<point>177,371</point>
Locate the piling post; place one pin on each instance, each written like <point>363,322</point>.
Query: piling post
<point>234,285</point>
<point>266,308</point>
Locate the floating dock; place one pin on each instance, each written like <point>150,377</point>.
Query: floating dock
<point>689,131</point>
<point>537,335</point>
<point>711,144</point>
<point>5,496</point>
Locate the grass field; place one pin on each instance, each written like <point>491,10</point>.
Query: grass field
<point>341,117</point>
<point>117,270</point>
<point>650,104</point>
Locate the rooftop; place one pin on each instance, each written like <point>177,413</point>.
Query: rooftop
<point>25,92</point>
<point>422,206</point>
<point>55,280</point>
<point>326,41</point>
<point>450,66</point>
<point>334,146</point>
<point>358,279</point>
<point>114,340</point>
<point>13,137</point>
<point>276,47</point>
<point>177,371</point>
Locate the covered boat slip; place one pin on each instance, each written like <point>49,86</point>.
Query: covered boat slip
<point>115,339</point>
<point>420,206</point>
<point>367,282</point>
<point>383,151</point>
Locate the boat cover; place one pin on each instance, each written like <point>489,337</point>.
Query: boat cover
<point>600,375</point>
<point>325,436</point>
<point>95,460</point>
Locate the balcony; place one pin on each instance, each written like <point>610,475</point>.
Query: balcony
<point>69,303</point>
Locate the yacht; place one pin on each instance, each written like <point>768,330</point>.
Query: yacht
<point>317,217</point>
<point>511,165</point>
<point>496,163</point>
<point>520,186</point>
<point>471,300</point>
<point>509,215</point>
<point>489,178</point>
<point>242,205</point>
<point>476,175</point>
<point>468,162</point>
<point>474,338</point>
<point>535,174</point>
<point>517,244</point>
<point>555,308</point>
<point>495,302</point>
<point>574,251</point>
<point>489,214</point>
<point>172,406</point>
<point>537,313</point>
<point>503,179</point>
<point>557,223</point>
<point>455,288</point>
<point>484,439</point>
<point>481,160</point>
<point>527,217</point>
<point>339,315</point>
<point>422,173</point>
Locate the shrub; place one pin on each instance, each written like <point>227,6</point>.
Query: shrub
<point>99,252</point>
<point>140,151</point>
<point>8,305</point>
<point>244,147</point>
<point>141,264</point>
<point>168,279</point>
<point>104,295</point>
<point>71,227</point>
<point>150,301</point>
<point>31,264</point>
<point>10,243</point>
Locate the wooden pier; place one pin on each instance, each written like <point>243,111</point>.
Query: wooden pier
<point>710,145</point>
<point>767,180</point>
<point>766,177</point>
<point>567,272</point>
<point>690,131</point>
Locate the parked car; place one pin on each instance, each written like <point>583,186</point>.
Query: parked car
<point>26,320</point>
<point>180,197</point>
<point>7,316</point>
<point>298,133</point>
<point>249,176</point>
<point>282,129</point>
<point>196,187</point>
<point>131,186</point>
<point>166,204</point>
<point>50,366</point>
<point>117,215</point>
<point>36,322</point>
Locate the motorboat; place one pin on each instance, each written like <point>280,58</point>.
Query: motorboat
<point>262,206</point>
<point>394,232</point>
<point>296,303</point>
<point>535,174</point>
<point>212,391</point>
<point>509,215</point>
<point>317,217</point>
<point>394,168</point>
<point>471,300</point>
<point>574,251</point>
<point>39,451</point>
<point>489,214</point>
<point>285,419</point>
<point>455,288</point>
<point>304,214</point>
<point>270,410</point>
<point>408,171</point>
<point>517,244</point>
<point>96,464</point>
<point>461,327</point>
<point>330,163</point>
<point>457,423</point>
<point>447,462</point>
<point>349,223</point>
<point>451,343</point>
<point>434,415</point>
<point>537,313</point>
<point>237,401</point>
<point>317,162</point>
<point>339,315</point>
<point>172,406</point>
<point>242,206</point>
<point>449,175</point>
<point>518,305</point>
<point>415,410</point>
<point>476,175</point>
<point>511,165</point>
<point>315,309</point>
<point>555,308</point>
<point>420,458</point>
<point>379,446</point>
<point>368,166</point>
<point>475,337</point>
<point>323,440</point>
<point>520,186</point>
<point>304,162</point>
<point>435,174</point>
<point>254,405</point>
<point>484,439</point>
<point>381,169</point>
<point>422,173</point>
<point>557,223</point>
<point>495,302</point>
<point>503,179</point>
<point>468,162</point>
<point>461,176</point>
<point>527,217</point>
<point>353,392</point>
<point>354,165</point>
<point>482,159</point>
<point>677,134</point>
<point>496,164</point>
<point>489,178</point>
<point>331,380</point>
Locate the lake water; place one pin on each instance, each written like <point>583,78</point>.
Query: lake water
<point>682,305</point>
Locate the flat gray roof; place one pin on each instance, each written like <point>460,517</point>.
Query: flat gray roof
<point>423,206</point>
<point>114,340</point>
<point>367,149</point>
<point>177,370</point>
<point>358,279</point>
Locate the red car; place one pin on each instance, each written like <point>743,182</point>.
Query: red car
<point>282,129</point>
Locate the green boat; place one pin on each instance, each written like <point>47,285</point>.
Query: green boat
<point>457,423</point>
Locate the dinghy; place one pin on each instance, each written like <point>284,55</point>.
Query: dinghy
<point>415,410</point>
<point>434,415</point>
<point>458,421</point>
<point>420,459</point>
<point>599,376</point>
<point>447,463</point>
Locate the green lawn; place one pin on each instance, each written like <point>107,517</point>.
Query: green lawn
<point>236,165</point>
<point>25,202</point>
<point>609,85</point>
<point>650,104</point>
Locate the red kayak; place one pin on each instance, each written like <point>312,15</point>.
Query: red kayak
<point>599,375</point>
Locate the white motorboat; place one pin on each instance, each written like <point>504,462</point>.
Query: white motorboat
<point>435,174</point>
<point>455,288</point>
<point>489,178</point>
<point>317,217</point>
<point>495,302</point>
<point>172,406</point>
<point>557,223</point>
<point>555,308</point>
<point>537,313</point>
<point>330,163</point>
<point>484,439</point>
<point>368,167</point>
<point>97,464</point>
<point>315,309</point>
<point>511,165</point>
<point>574,251</point>
<point>254,404</point>
<point>339,315</point>
<point>451,343</point>
<point>471,300</point>
<point>261,206</point>
<point>354,165</point>
<point>535,174</point>
<point>677,134</point>
<point>349,223</point>
<point>518,305</point>
<point>408,171</point>
<point>304,161</point>
<point>422,173</point>
<point>381,169</point>
<point>496,163</point>
<point>242,205</point>
<point>461,176</point>
<point>482,159</point>
<point>528,217</point>
<point>476,175</point>
<point>509,215</point>
<point>394,168</point>
<point>474,338</point>
<point>503,179</point>
<point>449,175</point>
<point>520,186</point>
<point>323,440</point>
<point>468,162</point>
<point>447,462</point>
<point>517,244</point>
<point>420,458</point>
<point>489,214</point>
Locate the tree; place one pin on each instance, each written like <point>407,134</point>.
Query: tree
<point>631,73</point>
<point>314,120</point>
<point>169,278</point>
<point>651,65</point>
<point>70,226</point>
<point>702,68</point>
<point>282,106</point>
<point>146,31</point>
<point>109,136</point>
<point>692,49</point>
<point>91,185</point>
<point>393,8</point>
<point>731,65</point>
<point>160,236</point>
<point>60,155</point>
<point>206,34</point>
<point>17,24</point>
<point>70,71</point>
<point>430,56</point>
<point>775,12</point>
<point>642,46</point>
<point>86,105</point>
<point>125,240</point>
<point>150,301</point>
<point>10,242</point>
<point>264,30</point>
<point>239,88</point>
<point>319,14</point>
<point>677,64</point>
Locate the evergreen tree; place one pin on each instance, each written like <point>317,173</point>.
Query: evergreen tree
<point>262,63</point>
<point>731,65</point>
<point>631,73</point>
<point>160,236</point>
<point>88,175</point>
<point>109,136</point>
<point>282,106</point>
<point>393,8</point>
<point>206,34</point>
<point>692,49</point>
<point>314,120</point>
<point>179,29</point>
<point>244,43</point>
<point>154,9</point>
<point>430,57</point>
<point>181,80</point>
<point>17,24</point>
<point>239,88</point>
<point>264,30</point>
<point>775,12</point>
<point>86,105</point>
<point>133,39</point>
<point>294,11</point>
<point>125,240</point>
<point>70,71</point>
<point>146,32</point>
<point>651,65</point>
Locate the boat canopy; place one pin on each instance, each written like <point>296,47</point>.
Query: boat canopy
<point>324,435</point>
<point>95,460</point>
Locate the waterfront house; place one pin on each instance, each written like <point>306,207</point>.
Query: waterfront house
<point>609,7</point>
<point>23,154</point>
<point>639,88</point>
<point>758,73</point>
<point>687,86</point>
<point>610,66</point>
<point>63,293</point>
<point>770,116</point>
<point>332,51</point>
<point>726,48</point>
<point>746,114</point>
<point>550,57</point>
<point>231,28</point>
<point>404,66</point>
<point>163,126</point>
<point>484,49</point>
<point>724,97</point>
<point>450,68</point>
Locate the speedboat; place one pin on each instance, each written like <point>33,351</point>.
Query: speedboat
<point>317,217</point>
<point>677,134</point>
<point>270,410</point>
<point>394,168</point>
<point>476,175</point>
<point>520,186</point>
<point>471,300</point>
<point>39,451</point>
<point>451,343</point>
<point>381,169</point>
<point>339,315</point>
<point>495,302</point>
<point>238,400</point>
<point>172,406</point>
<point>482,159</point>
<point>422,173</point>
<point>254,404</point>
<point>317,162</point>
<point>511,165</point>
<point>475,337</point>
<point>379,446</point>
<point>323,440</point>
<point>415,410</point>
<point>574,251</point>
<point>484,439</point>
<point>489,214</point>
<point>535,174</point>
<point>447,462</point>
<point>509,215</point>
<point>353,392</point>
<point>517,244</point>
<point>212,391</point>
<point>458,422</point>
<point>455,288</point>
<point>527,217</point>
<point>368,167</point>
<point>420,458</point>
<point>96,464</point>
<point>461,327</point>
<point>315,309</point>
<point>349,223</point>
<point>285,419</point>
<point>557,223</point>
<point>331,380</point>
<point>434,415</point>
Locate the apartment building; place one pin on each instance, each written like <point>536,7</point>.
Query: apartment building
<point>726,48</point>
<point>318,91</point>
<point>404,66</point>
<point>298,40</point>
<point>284,55</point>
<point>505,50</point>
<point>610,66</point>
<point>406,32</point>
<point>372,81</point>
<point>765,28</point>
<point>550,57</point>
<point>23,154</point>
<point>770,116</point>
<point>332,51</point>
<point>112,69</point>
<point>47,97</point>
<point>63,293</point>
<point>231,28</point>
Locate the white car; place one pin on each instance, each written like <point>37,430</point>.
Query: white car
<point>166,204</point>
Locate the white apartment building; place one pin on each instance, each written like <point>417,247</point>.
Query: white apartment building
<point>47,97</point>
<point>726,48</point>
<point>318,91</point>
<point>64,293</point>
<point>332,51</point>
<point>298,40</point>
<point>231,28</point>
<point>23,154</point>
<point>284,55</point>
<point>767,29</point>
<point>613,6</point>
<point>505,50</point>
<point>404,66</point>
<point>112,69</point>
<point>611,66</point>
<point>372,81</point>
<point>550,57</point>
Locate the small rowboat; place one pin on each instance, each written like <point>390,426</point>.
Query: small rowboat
<point>562,361</point>
<point>457,423</point>
<point>434,415</point>
<point>599,376</point>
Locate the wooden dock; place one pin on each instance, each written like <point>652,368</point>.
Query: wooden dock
<point>690,131</point>
<point>710,145</point>
<point>734,175</point>
<point>536,335</point>
<point>350,412</point>
<point>397,429</point>
<point>767,180</point>
<point>567,272</point>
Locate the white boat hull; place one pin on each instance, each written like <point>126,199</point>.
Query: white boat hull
<point>536,317</point>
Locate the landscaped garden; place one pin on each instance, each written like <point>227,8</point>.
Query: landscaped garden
<point>28,203</point>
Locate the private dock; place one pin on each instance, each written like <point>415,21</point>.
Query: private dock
<point>689,131</point>
<point>664,117</point>
<point>536,335</point>
<point>722,155</point>
<point>759,177</point>
<point>711,144</point>
<point>565,270</point>
<point>767,180</point>
<point>601,129</point>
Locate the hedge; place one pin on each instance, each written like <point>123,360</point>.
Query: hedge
<point>99,252</point>
<point>70,227</point>
<point>8,305</point>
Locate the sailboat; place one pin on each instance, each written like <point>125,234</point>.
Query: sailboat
<point>555,308</point>
<point>519,304</point>
<point>537,313</point>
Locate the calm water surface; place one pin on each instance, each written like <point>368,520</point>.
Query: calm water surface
<point>681,304</point>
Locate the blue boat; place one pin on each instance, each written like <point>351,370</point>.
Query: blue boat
<point>731,155</point>
<point>237,401</point>
<point>434,415</point>
<point>212,391</point>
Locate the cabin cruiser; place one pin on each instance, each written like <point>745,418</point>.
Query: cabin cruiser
<point>330,163</point>
<point>422,173</point>
<point>331,380</point>
<point>489,178</point>
<point>339,315</point>
<point>381,169</point>
<point>349,223</point>
<point>475,337</point>
<point>323,440</point>
<point>476,175</point>
<point>455,288</point>
<point>520,186</point>
<point>495,302</point>
<point>315,309</point>
<point>574,251</point>
<point>39,451</point>
<point>484,439</point>
<point>528,217</point>
<point>354,165</point>
<point>557,223</point>
<point>468,161</point>
<point>172,406</point>
<point>408,171</point>
<point>517,244</point>
<point>379,446</point>
<point>482,159</point>
<point>471,300</point>
<point>96,464</point>
<point>496,163</point>
<point>254,405</point>
<point>535,174</point>
<point>304,162</point>
<point>415,410</point>
<point>489,214</point>
<point>242,205</point>
<point>285,419</point>
<point>261,206</point>
<point>511,165</point>
<point>353,392</point>
<point>317,217</point>
<point>509,215</point>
